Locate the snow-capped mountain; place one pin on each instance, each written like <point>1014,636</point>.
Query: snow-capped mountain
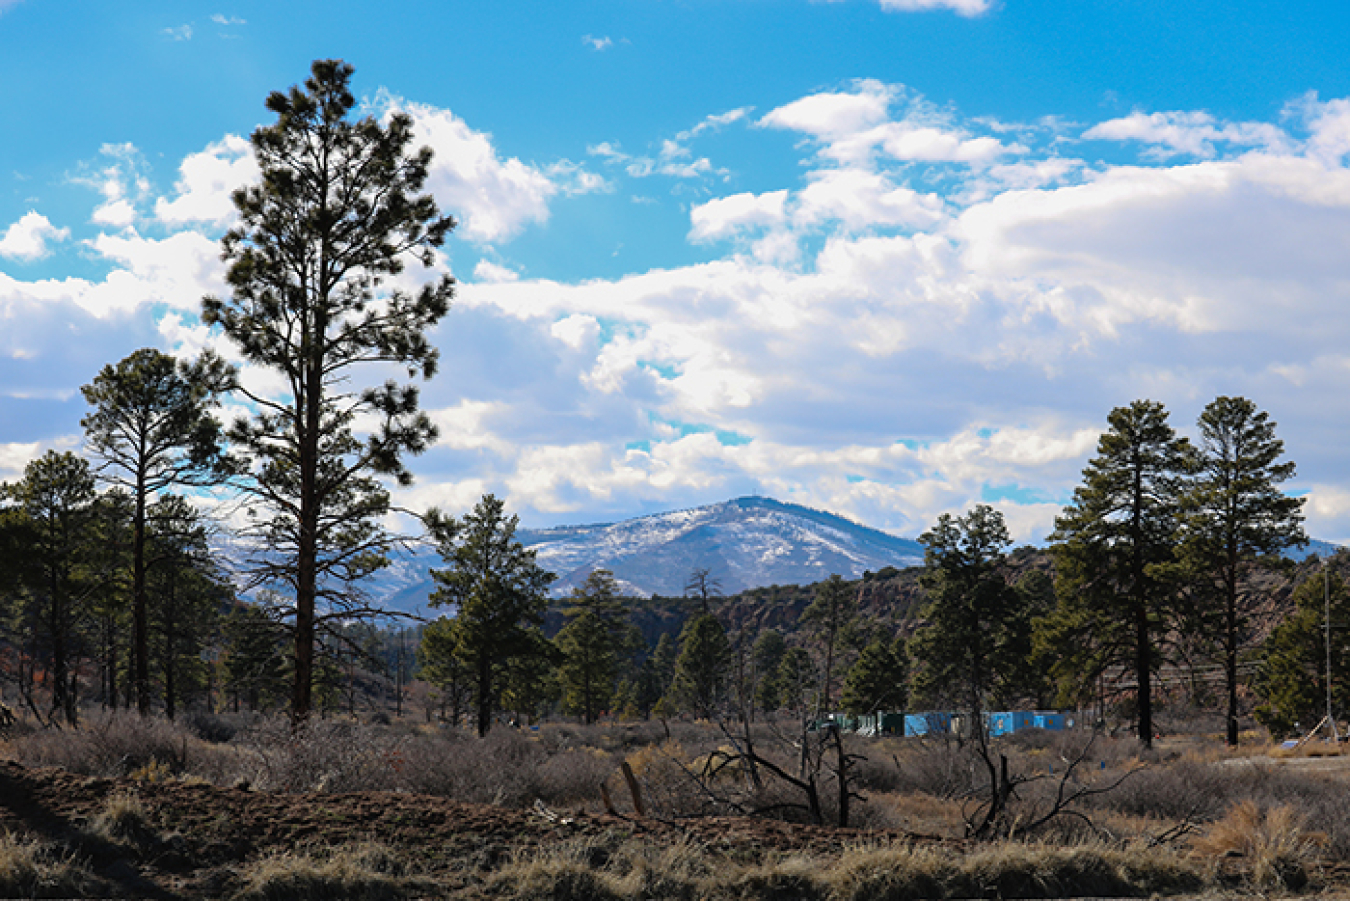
<point>743,543</point>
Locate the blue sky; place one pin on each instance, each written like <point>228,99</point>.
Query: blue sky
<point>884,257</point>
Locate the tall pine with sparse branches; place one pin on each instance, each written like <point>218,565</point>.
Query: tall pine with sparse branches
<point>1234,514</point>
<point>338,213</point>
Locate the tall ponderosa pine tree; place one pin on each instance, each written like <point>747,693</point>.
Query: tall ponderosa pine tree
<point>500,592</point>
<point>1234,514</point>
<point>337,214</point>
<point>1110,546</point>
<point>152,428</point>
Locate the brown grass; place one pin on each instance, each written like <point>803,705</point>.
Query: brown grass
<point>1274,844</point>
<point>123,819</point>
<point>29,869</point>
<point>353,873</point>
<point>593,870</point>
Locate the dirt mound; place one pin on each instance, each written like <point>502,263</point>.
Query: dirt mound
<point>196,835</point>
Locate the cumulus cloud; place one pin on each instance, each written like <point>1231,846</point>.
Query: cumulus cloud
<point>493,198</point>
<point>856,128</point>
<point>835,113</point>
<point>27,239</point>
<point>935,312</point>
<point>488,271</point>
<point>965,316</point>
<point>206,181</point>
<point>15,456</point>
<point>1191,133</point>
<point>726,216</point>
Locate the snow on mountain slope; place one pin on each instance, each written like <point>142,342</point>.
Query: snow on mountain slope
<point>744,543</point>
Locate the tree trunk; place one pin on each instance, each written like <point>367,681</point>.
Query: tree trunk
<point>484,695</point>
<point>1230,665</point>
<point>140,627</point>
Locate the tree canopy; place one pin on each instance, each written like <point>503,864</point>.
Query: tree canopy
<point>1111,545</point>
<point>1234,513</point>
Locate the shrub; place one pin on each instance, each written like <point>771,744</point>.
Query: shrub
<point>501,768</point>
<point>561,873</point>
<point>110,744</point>
<point>888,874</point>
<point>321,755</point>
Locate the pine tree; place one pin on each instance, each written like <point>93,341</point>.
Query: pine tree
<point>878,680</point>
<point>701,671</point>
<point>186,593</point>
<point>336,216</point>
<point>500,593</point>
<point>438,664</point>
<point>766,656</point>
<point>971,640</point>
<point>253,661</point>
<point>1111,547</point>
<point>1235,514</point>
<point>152,428</point>
<point>1291,674</point>
<point>596,642</point>
<point>56,502</point>
<point>797,681</point>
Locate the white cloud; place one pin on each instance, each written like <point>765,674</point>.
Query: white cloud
<point>895,350</point>
<point>488,271</point>
<point>968,8</point>
<point>725,216</point>
<point>120,175</point>
<point>863,200</point>
<point>714,123</point>
<point>15,456</point>
<point>600,43</point>
<point>221,19</point>
<point>1192,133</point>
<point>206,181</point>
<point>855,127</point>
<point>935,312</point>
<point>492,198</point>
<point>834,114</point>
<point>178,32</point>
<point>116,213</point>
<point>27,239</point>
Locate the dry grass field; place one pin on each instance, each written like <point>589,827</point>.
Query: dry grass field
<point>222,807</point>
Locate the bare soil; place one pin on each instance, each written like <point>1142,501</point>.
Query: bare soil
<point>199,834</point>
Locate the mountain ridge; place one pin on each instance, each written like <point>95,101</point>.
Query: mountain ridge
<point>746,542</point>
